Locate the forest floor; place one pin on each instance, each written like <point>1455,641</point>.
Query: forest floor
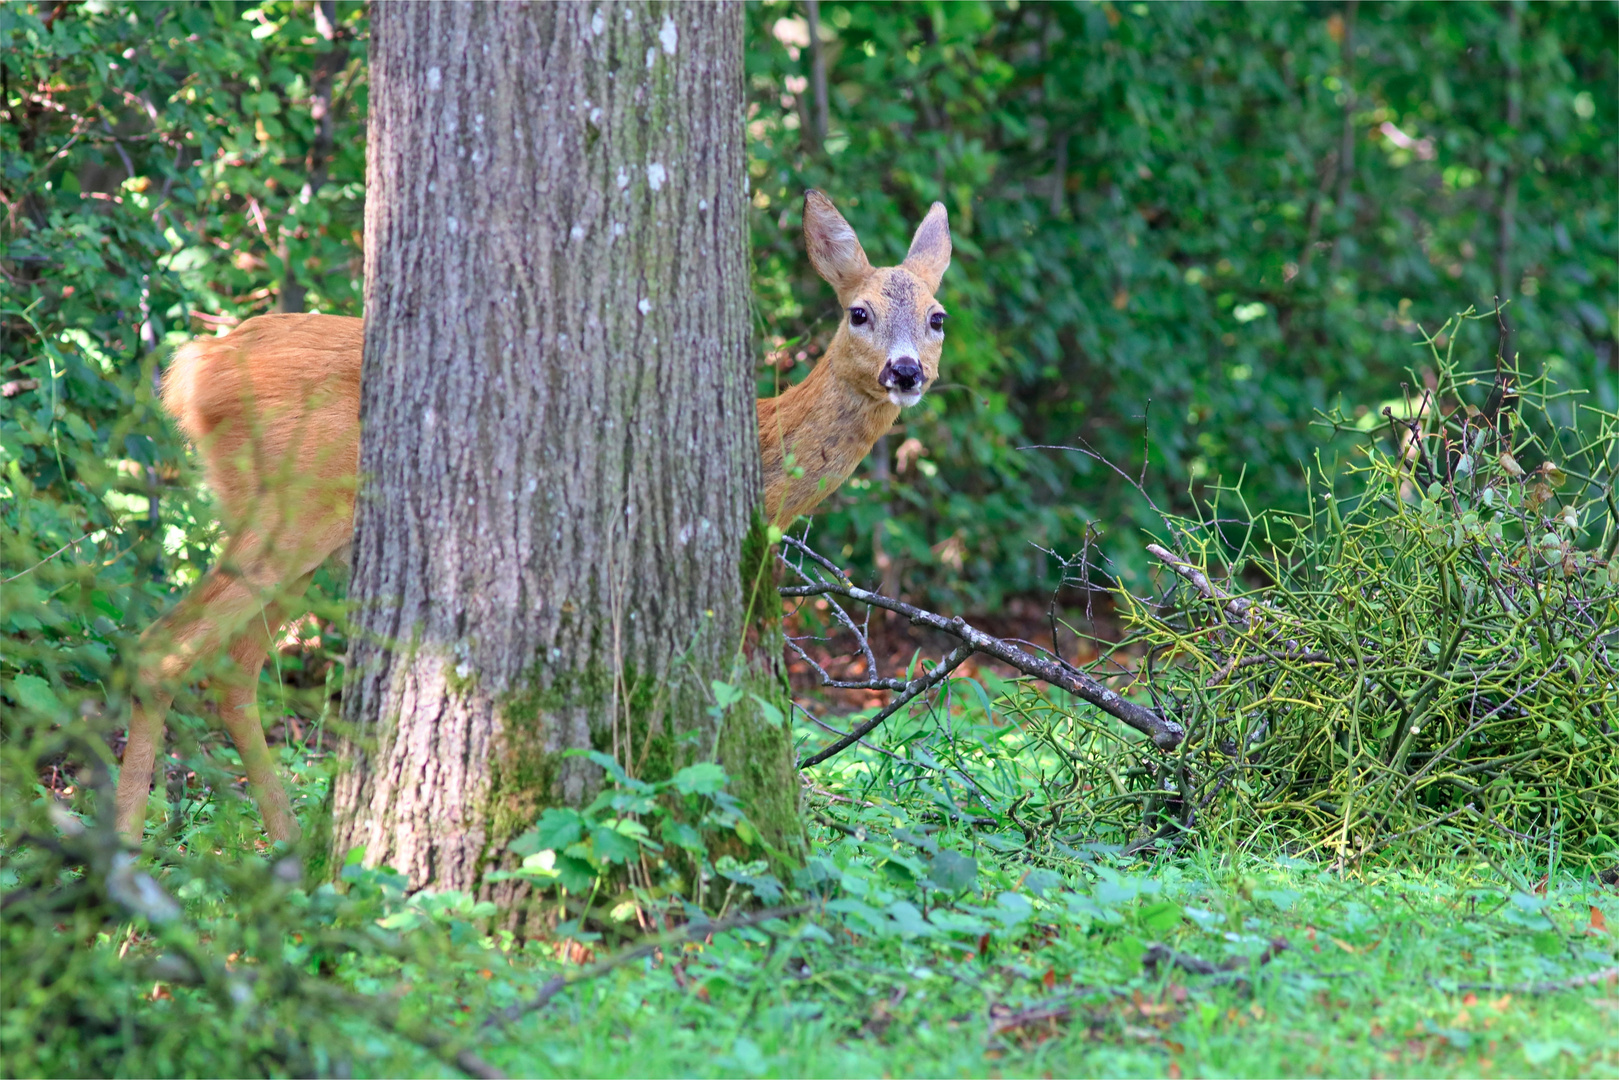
<point>1204,963</point>
<point>932,949</point>
<point>1382,975</point>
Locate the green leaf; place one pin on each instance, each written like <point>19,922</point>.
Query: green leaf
<point>1546,943</point>
<point>1130,949</point>
<point>1540,1052</point>
<point>1012,909</point>
<point>1041,882</point>
<point>558,827</point>
<point>769,712</point>
<point>575,874</point>
<point>952,871</point>
<point>703,778</point>
<point>681,835</point>
<point>36,695</point>
<point>612,846</point>
<point>1282,898</point>
<point>1159,917</point>
<point>616,771</point>
<point>725,695</point>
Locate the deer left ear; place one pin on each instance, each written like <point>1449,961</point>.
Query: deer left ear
<point>929,256</point>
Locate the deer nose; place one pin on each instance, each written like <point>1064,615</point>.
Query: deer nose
<point>904,373</point>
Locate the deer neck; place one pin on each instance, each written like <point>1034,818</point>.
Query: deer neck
<point>821,428</point>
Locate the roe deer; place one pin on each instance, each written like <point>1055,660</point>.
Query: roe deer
<point>280,396</point>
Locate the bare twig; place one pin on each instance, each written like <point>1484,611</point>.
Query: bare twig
<point>1235,606</point>
<point>914,689</point>
<point>1293,656</point>
<point>1157,954</point>
<point>58,551</point>
<point>1166,734</point>
<point>824,726</point>
<point>1552,986</point>
<point>873,683</point>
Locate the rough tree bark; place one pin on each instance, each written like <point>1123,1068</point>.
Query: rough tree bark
<point>560,510</point>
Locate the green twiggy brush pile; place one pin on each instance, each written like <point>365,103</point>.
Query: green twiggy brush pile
<point>1429,665</point>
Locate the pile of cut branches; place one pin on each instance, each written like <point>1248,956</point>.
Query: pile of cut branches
<point>1431,662</point>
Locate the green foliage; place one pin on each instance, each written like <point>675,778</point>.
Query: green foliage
<point>158,184</point>
<point>1430,658</point>
<point>1185,225</point>
<point>1420,664</point>
<point>648,841</point>
<point>1050,979</point>
<point>208,966</point>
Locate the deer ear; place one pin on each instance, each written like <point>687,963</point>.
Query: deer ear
<point>929,256</point>
<point>833,249</point>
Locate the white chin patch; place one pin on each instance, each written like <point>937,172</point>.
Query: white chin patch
<point>904,398</point>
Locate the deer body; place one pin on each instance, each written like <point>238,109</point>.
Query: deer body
<point>274,409</point>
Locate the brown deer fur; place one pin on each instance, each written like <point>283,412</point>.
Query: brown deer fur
<point>274,408</point>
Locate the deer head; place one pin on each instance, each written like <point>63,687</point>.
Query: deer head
<point>888,342</point>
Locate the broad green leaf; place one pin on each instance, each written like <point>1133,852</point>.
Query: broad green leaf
<point>952,871</point>
<point>703,778</point>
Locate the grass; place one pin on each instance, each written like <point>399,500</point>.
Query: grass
<point>1000,884</point>
<point>1029,970</point>
<point>940,946</point>
<point>1369,986</point>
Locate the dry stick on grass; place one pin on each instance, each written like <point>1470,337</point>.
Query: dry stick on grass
<point>1162,954</point>
<point>1166,734</point>
<point>689,932</point>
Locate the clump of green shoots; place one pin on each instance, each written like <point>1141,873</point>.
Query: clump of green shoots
<point>1423,663</point>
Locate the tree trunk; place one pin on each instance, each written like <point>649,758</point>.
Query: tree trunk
<point>559,544</point>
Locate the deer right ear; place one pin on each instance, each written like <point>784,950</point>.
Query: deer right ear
<point>834,250</point>
<point>929,256</point>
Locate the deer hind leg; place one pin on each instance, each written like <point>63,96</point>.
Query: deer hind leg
<point>222,602</point>
<point>213,615</point>
<point>140,754</point>
<point>239,712</point>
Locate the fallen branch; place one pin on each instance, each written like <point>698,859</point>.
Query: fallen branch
<point>1157,955</point>
<point>1166,734</point>
<point>1052,1009</point>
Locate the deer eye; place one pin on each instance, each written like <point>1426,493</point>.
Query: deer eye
<point>858,316</point>
<point>936,320</point>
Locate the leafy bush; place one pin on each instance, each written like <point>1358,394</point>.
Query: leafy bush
<point>611,843</point>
